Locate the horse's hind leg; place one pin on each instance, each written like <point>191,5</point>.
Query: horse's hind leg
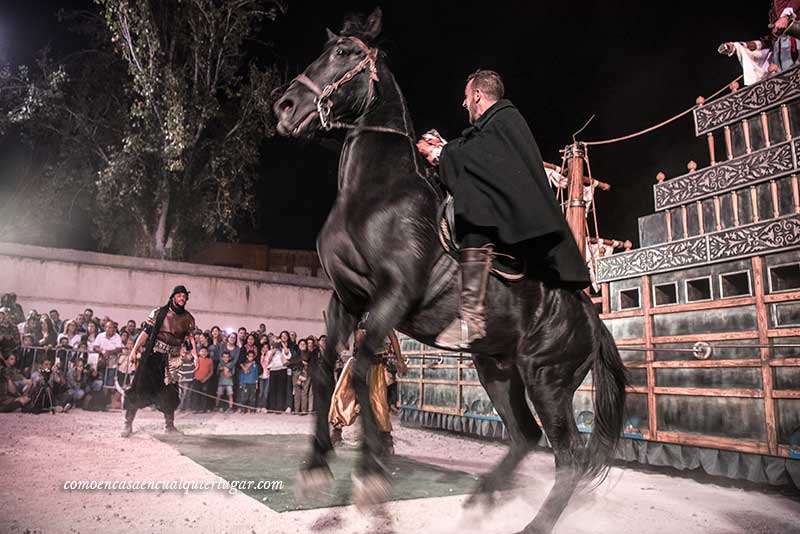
<point>504,385</point>
<point>551,389</point>
<point>316,474</point>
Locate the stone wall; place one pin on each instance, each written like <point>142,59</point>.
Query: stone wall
<point>124,287</point>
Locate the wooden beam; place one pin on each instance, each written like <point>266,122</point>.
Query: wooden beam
<point>649,357</point>
<point>710,392</point>
<point>713,442</point>
<point>706,305</point>
<point>622,314</point>
<point>693,364</point>
<point>763,339</point>
<point>785,394</point>
<point>713,336</point>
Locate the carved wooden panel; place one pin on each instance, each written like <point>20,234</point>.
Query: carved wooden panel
<point>748,101</point>
<point>739,172</point>
<point>757,238</point>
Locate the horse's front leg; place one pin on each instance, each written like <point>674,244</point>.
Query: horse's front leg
<point>371,482</point>
<point>315,476</point>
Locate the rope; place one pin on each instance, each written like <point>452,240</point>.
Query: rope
<point>656,126</point>
<point>238,405</point>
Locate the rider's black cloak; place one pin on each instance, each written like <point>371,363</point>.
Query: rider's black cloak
<point>497,178</point>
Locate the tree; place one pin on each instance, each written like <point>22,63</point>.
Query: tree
<point>165,142</point>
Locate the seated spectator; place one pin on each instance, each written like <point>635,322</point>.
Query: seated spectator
<point>9,334</point>
<point>202,378</point>
<point>11,397</point>
<point>77,380</point>
<point>185,379</point>
<point>248,382</point>
<point>95,398</point>
<point>225,372</point>
<point>13,372</point>
<point>47,389</point>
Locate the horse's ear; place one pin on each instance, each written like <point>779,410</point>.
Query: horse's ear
<point>374,24</point>
<point>331,36</point>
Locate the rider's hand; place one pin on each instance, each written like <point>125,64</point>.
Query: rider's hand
<point>781,24</point>
<point>427,150</point>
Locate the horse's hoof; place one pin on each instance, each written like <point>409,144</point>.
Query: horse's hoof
<point>370,490</point>
<point>484,496</point>
<point>312,483</point>
<point>481,499</point>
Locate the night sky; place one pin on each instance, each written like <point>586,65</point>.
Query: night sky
<point>632,64</point>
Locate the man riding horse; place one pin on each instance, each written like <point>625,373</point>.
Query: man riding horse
<point>501,196</point>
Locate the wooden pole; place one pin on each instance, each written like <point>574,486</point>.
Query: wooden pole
<point>576,209</point>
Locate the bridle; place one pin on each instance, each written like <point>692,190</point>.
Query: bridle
<point>322,97</point>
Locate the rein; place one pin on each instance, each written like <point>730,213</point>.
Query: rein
<point>323,100</point>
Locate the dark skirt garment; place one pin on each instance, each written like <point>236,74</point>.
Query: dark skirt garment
<point>277,393</point>
<point>148,386</point>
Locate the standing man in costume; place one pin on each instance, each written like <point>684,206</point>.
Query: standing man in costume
<point>344,405</point>
<point>157,376</point>
<point>501,194</point>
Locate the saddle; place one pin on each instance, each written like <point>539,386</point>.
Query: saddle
<point>504,266</point>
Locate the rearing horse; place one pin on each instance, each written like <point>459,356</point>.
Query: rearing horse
<point>380,249</point>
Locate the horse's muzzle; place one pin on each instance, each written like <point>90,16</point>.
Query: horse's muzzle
<point>292,121</point>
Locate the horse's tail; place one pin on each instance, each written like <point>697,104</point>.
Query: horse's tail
<point>609,378</point>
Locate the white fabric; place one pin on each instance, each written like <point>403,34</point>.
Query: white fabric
<point>75,340</point>
<point>279,359</point>
<point>755,63</point>
<point>107,344</point>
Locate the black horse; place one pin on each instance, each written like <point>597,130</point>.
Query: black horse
<point>381,252</point>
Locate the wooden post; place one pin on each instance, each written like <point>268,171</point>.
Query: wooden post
<point>711,152</point>
<point>795,194</point>
<point>787,127</point>
<point>748,147</point>
<point>765,129</point>
<point>728,142</point>
<point>576,209</point>
<point>757,264</point>
<point>647,306</point>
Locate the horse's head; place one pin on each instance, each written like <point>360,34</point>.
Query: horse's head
<point>339,85</point>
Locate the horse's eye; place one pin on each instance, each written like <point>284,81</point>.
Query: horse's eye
<point>339,52</point>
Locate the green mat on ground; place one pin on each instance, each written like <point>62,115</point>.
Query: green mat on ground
<point>278,457</point>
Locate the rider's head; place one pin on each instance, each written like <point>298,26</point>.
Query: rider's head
<point>484,88</point>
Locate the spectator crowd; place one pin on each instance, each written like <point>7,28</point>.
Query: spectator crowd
<point>48,363</point>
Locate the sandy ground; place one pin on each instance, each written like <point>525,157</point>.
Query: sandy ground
<point>32,498</point>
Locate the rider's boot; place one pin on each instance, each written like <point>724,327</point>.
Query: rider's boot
<point>474,264</point>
